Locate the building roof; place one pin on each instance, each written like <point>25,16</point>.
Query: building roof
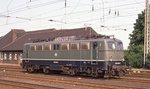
<point>1,37</point>
<point>47,35</point>
<point>10,37</point>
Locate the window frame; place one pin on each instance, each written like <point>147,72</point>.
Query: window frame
<point>67,46</point>
<point>39,47</point>
<point>85,44</point>
<point>33,47</point>
<point>111,45</point>
<point>71,46</point>
<point>56,46</point>
<point>47,47</point>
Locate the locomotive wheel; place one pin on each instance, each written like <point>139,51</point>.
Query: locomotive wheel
<point>72,72</point>
<point>95,75</point>
<point>30,69</point>
<point>88,71</point>
<point>102,74</point>
<point>94,72</point>
<point>46,70</point>
<point>121,73</point>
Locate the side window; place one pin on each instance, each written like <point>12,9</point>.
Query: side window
<point>47,47</point>
<point>111,45</point>
<point>64,46</point>
<point>74,46</point>
<point>119,46</point>
<point>56,46</point>
<point>33,47</point>
<point>39,47</point>
<point>101,45</point>
<point>84,46</point>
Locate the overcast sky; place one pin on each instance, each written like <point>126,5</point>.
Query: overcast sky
<point>114,15</point>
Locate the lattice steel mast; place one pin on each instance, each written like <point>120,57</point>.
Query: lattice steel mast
<point>146,32</point>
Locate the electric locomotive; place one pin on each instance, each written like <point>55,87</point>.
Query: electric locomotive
<point>94,57</point>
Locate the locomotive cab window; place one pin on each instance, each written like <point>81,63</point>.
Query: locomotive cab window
<point>101,45</point>
<point>119,46</point>
<point>111,45</point>
<point>95,45</point>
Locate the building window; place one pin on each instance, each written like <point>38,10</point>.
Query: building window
<point>15,56</point>
<point>74,46</point>
<point>10,56</point>
<point>65,46</point>
<point>20,58</point>
<point>5,56</point>
<point>85,46</point>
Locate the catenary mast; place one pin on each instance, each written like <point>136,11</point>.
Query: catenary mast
<point>146,31</point>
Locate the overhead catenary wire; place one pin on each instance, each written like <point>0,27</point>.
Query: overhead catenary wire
<point>75,12</point>
<point>95,9</point>
<point>32,7</point>
<point>96,19</point>
<point>48,3</point>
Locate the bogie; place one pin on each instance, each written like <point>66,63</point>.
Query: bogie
<point>30,69</point>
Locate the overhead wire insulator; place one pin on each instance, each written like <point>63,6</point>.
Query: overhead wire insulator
<point>109,11</point>
<point>65,3</point>
<point>118,13</point>
<point>92,6</point>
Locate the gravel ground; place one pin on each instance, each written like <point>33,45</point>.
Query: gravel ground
<point>3,86</point>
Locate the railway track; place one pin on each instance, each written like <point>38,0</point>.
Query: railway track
<point>136,77</point>
<point>130,78</point>
<point>72,81</point>
<point>62,82</point>
<point>17,84</point>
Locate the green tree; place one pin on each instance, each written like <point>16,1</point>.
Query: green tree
<point>134,54</point>
<point>137,36</point>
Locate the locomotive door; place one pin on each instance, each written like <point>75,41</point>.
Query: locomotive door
<point>94,52</point>
<point>26,51</point>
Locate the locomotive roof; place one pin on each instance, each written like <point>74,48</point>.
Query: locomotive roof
<point>72,41</point>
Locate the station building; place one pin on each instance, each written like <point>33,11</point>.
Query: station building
<point>11,44</point>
